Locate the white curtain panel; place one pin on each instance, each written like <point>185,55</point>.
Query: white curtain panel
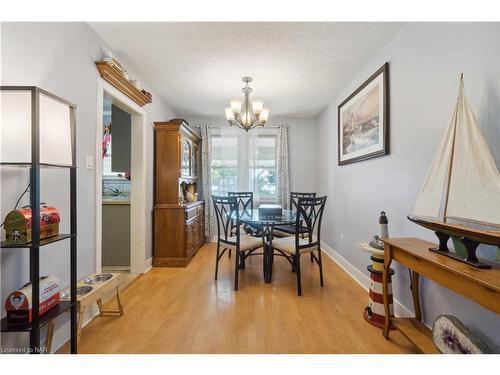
<point>240,147</point>
<point>206,158</point>
<point>283,170</point>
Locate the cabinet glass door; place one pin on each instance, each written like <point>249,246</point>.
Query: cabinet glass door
<point>186,158</point>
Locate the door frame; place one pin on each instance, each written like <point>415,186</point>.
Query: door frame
<point>138,215</point>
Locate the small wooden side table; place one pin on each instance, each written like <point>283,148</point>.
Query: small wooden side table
<point>479,285</point>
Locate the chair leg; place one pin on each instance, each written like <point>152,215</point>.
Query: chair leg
<point>236,269</point>
<point>229,256</point>
<point>297,271</point>
<point>320,263</point>
<point>242,260</point>
<point>217,261</point>
<point>312,259</point>
<point>271,263</point>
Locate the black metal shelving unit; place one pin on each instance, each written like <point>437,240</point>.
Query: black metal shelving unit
<point>38,321</point>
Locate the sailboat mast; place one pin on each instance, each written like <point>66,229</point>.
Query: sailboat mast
<point>450,166</point>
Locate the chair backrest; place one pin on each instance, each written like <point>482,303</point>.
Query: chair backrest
<point>294,196</point>
<point>244,199</point>
<point>226,211</point>
<point>309,216</point>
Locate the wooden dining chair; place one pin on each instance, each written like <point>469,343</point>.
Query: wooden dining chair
<point>309,216</point>
<point>226,210</point>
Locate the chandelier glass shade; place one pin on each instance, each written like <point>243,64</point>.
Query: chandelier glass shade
<point>247,114</point>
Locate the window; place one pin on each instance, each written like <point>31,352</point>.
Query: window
<point>224,166</point>
<point>263,168</point>
<point>244,162</point>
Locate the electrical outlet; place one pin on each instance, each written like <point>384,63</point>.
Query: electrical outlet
<point>90,162</point>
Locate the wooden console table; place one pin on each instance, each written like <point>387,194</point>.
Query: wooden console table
<point>479,285</point>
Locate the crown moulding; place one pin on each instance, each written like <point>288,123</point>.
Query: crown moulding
<point>116,78</point>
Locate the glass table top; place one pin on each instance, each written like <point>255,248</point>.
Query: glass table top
<point>254,217</point>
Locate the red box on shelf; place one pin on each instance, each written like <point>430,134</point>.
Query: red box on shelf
<point>19,303</point>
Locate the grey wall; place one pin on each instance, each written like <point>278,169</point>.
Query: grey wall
<point>301,147</point>
<point>425,64</point>
<point>59,57</point>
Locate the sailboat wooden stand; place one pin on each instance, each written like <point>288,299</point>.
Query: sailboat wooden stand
<point>460,197</point>
<point>471,238</point>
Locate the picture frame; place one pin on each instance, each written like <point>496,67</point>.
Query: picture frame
<point>363,120</point>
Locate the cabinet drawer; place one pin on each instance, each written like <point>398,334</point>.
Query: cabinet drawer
<point>194,211</point>
<point>191,213</point>
<point>200,209</point>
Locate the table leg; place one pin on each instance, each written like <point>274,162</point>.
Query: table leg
<point>267,259</point>
<point>385,288</point>
<point>415,294</point>
<point>267,264</point>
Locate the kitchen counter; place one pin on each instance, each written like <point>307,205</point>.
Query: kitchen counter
<point>116,202</point>
<point>116,234</point>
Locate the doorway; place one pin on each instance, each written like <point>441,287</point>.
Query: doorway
<point>116,183</point>
<point>120,183</point>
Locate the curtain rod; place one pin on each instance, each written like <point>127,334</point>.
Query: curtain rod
<point>218,126</point>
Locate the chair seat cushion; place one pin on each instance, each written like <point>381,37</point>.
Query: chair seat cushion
<point>278,233</point>
<point>246,242</point>
<point>287,244</point>
<point>287,231</point>
<point>290,229</point>
<point>248,229</point>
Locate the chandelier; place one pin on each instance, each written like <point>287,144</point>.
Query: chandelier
<point>247,115</point>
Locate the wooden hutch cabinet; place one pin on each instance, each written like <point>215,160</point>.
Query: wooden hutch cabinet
<point>179,218</point>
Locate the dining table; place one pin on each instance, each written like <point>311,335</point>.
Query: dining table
<point>264,225</point>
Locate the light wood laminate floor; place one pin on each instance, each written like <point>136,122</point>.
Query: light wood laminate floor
<point>184,310</point>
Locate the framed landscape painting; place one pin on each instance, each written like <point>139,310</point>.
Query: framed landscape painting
<point>363,120</point>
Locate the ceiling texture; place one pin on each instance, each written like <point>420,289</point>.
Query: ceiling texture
<point>298,68</point>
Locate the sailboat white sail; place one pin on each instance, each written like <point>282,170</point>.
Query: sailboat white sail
<point>463,181</point>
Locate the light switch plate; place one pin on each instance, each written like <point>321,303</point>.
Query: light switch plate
<point>90,162</point>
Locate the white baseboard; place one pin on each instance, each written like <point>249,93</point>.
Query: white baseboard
<point>399,309</point>
<point>148,265</point>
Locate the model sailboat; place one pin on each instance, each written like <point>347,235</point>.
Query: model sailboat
<point>460,197</point>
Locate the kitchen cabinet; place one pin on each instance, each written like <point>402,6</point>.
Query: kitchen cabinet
<point>121,127</point>
<point>116,234</point>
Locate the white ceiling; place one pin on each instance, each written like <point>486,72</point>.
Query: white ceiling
<point>298,68</point>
